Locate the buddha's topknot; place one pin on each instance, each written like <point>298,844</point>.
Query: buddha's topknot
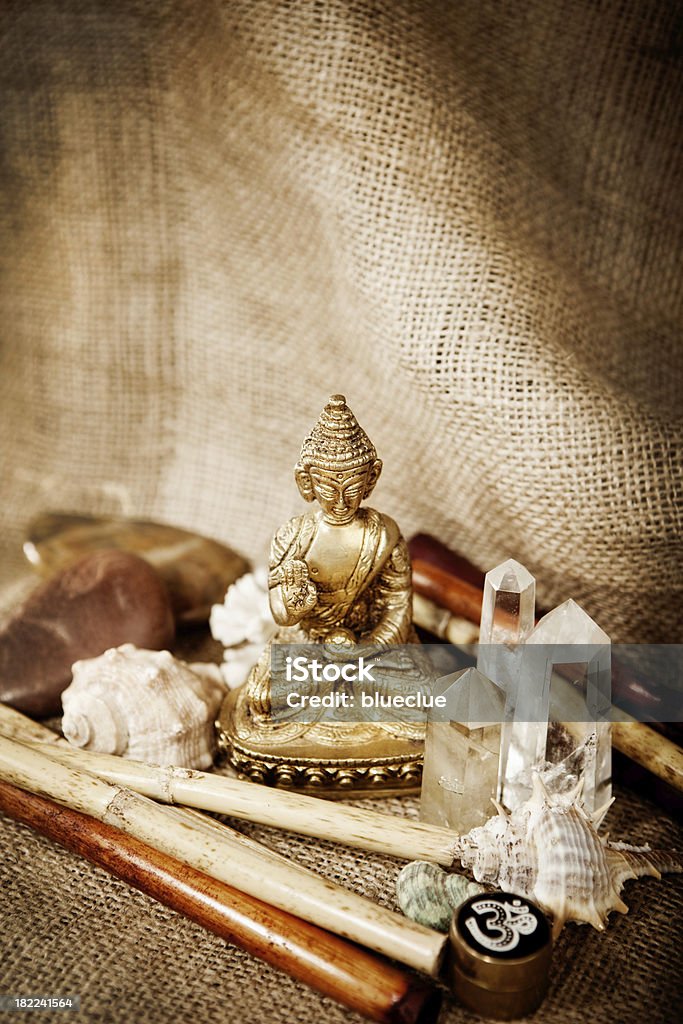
<point>337,441</point>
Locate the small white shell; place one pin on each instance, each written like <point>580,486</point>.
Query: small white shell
<point>243,624</point>
<point>143,705</point>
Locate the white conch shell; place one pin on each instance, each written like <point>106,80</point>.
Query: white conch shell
<point>548,850</point>
<point>243,624</point>
<point>144,705</point>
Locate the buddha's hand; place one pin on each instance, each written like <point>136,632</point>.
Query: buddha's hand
<point>299,592</point>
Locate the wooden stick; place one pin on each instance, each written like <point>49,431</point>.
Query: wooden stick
<point>458,596</point>
<point>294,812</point>
<point>651,750</point>
<point>283,885</point>
<point>425,548</point>
<point>339,969</point>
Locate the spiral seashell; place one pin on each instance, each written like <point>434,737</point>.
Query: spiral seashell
<point>549,851</point>
<point>143,705</point>
<point>429,895</point>
<point>95,724</point>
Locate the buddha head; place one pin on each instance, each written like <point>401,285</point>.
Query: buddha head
<point>338,466</point>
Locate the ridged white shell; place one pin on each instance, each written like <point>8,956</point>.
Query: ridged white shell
<point>549,851</point>
<point>143,705</point>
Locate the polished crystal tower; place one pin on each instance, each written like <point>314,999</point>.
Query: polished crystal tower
<point>507,610</point>
<point>462,752</point>
<point>561,707</point>
<point>507,619</point>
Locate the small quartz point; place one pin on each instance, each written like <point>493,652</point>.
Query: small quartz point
<point>562,706</point>
<point>462,751</point>
<point>507,619</point>
<point>507,611</point>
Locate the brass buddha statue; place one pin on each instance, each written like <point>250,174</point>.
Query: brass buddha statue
<point>339,576</point>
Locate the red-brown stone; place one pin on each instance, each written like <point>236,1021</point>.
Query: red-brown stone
<point>105,599</point>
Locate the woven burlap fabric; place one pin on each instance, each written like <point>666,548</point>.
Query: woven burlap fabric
<point>464,215</point>
<point>69,928</point>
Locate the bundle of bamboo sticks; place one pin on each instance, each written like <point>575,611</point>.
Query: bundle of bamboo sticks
<point>280,911</point>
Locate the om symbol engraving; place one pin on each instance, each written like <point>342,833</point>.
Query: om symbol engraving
<point>504,923</point>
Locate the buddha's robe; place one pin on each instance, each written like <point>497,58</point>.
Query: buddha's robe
<point>375,602</point>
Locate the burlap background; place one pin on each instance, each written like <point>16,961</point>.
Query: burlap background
<point>465,216</point>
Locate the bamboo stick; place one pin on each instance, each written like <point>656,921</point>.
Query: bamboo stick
<point>306,815</point>
<point>16,726</point>
<point>439,621</point>
<point>339,969</point>
<point>294,812</point>
<point>286,886</point>
<point>651,750</point>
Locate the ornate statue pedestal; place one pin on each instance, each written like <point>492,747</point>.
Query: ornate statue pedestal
<point>332,752</point>
<point>331,759</point>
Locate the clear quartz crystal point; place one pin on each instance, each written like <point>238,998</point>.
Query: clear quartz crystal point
<point>561,707</point>
<point>462,751</point>
<point>507,618</point>
<point>508,606</point>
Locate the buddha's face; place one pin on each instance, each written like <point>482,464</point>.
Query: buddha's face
<point>338,492</point>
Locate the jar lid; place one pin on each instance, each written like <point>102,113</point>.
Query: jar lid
<point>500,954</point>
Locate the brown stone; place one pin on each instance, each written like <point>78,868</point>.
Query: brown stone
<point>105,599</point>
<point>196,570</point>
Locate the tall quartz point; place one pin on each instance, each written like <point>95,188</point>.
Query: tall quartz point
<point>561,708</point>
<point>462,751</point>
<point>509,604</point>
<point>507,618</point>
